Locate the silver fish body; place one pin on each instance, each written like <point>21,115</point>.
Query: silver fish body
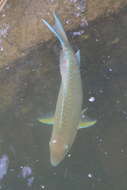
<point>68,109</point>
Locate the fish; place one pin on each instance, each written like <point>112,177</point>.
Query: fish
<point>67,118</point>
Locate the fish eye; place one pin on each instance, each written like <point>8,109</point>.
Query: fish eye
<point>53,142</point>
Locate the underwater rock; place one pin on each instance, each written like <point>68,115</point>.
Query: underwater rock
<point>21,27</point>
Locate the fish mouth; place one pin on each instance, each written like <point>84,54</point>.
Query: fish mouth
<point>55,159</point>
<point>55,162</point>
<point>58,151</point>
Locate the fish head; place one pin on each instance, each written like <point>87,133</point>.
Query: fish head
<point>58,150</point>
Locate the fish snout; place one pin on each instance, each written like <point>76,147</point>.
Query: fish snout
<point>58,151</point>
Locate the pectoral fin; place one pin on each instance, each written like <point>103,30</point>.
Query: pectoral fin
<point>86,122</point>
<point>47,120</point>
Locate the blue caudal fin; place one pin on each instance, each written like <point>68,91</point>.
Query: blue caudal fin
<point>59,27</point>
<point>58,30</point>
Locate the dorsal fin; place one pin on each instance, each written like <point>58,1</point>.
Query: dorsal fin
<point>77,54</point>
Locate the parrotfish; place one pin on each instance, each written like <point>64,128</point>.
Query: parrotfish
<point>67,119</point>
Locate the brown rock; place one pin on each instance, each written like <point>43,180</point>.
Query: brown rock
<point>21,27</point>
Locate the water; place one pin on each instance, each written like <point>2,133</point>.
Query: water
<point>29,89</point>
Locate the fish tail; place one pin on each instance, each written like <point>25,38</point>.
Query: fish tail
<point>58,30</point>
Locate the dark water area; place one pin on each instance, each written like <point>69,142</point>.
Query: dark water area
<point>29,88</point>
